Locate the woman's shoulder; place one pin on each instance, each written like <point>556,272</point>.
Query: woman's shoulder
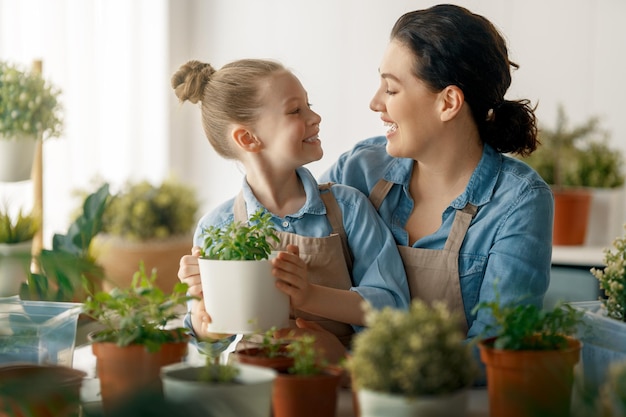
<point>519,170</point>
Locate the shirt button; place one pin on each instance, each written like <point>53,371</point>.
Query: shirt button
<point>285,223</point>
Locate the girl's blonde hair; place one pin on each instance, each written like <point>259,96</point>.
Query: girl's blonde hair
<point>228,95</point>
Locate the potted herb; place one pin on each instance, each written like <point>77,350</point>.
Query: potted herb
<point>220,389</point>
<point>604,331</point>
<point>270,352</point>
<point>29,111</point>
<point>16,239</point>
<point>428,365</point>
<point>310,387</point>
<point>137,336</point>
<point>237,283</point>
<point>576,160</point>
<point>530,360</point>
<point>149,223</point>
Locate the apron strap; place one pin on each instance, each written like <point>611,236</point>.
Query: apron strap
<point>461,223</point>
<point>379,192</point>
<point>334,215</point>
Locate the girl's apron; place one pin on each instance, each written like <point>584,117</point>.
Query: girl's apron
<point>324,267</point>
<point>434,274</point>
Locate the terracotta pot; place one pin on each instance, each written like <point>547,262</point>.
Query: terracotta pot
<point>127,371</point>
<point>571,216</point>
<point>306,396</point>
<point>29,390</point>
<point>120,259</point>
<point>528,383</point>
<point>257,356</point>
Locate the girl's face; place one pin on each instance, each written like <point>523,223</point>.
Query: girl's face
<point>287,127</point>
<point>406,104</point>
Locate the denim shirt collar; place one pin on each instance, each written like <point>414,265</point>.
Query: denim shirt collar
<point>312,205</point>
<point>479,188</point>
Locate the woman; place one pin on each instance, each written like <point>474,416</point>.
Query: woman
<point>471,222</point>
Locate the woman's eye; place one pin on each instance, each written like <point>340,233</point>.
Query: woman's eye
<point>295,111</point>
<point>309,104</point>
<point>389,92</point>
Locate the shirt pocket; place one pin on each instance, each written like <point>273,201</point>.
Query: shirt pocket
<point>471,273</point>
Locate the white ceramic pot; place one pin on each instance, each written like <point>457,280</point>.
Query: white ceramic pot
<point>380,404</point>
<point>250,396</point>
<point>241,296</point>
<point>16,158</point>
<point>14,266</point>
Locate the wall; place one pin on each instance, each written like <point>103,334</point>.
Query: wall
<point>569,52</point>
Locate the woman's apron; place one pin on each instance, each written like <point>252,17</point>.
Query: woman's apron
<point>434,274</point>
<point>324,266</point>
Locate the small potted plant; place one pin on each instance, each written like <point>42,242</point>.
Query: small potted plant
<point>138,336</point>
<point>16,238</point>
<point>576,161</point>
<point>219,389</point>
<point>604,331</point>
<point>427,366</point>
<point>530,360</point>
<point>238,287</point>
<point>29,111</point>
<point>149,223</point>
<point>310,387</point>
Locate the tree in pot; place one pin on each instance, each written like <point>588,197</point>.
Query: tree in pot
<point>149,223</point>
<point>136,337</point>
<point>411,362</point>
<point>530,361</point>
<point>237,284</point>
<point>16,238</point>
<point>573,160</point>
<point>30,110</point>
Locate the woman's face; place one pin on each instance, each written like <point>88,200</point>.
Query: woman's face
<point>406,104</point>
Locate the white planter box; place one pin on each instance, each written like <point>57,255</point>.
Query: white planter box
<point>604,342</point>
<point>241,296</point>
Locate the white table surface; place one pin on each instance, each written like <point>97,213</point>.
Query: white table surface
<point>84,360</point>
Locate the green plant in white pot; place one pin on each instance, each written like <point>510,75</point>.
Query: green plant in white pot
<point>16,238</point>
<point>30,110</point>
<point>411,361</point>
<point>151,223</point>
<point>238,287</point>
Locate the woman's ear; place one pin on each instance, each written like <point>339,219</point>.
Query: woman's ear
<point>452,99</point>
<point>245,139</point>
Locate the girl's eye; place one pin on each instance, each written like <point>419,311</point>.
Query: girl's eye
<point>295,111</point>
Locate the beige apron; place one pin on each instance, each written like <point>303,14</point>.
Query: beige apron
<point>434,274</point>
<point>324,265</point>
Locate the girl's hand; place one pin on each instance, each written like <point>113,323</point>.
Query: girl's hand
<point>291,272</point>
<point>189,272</point>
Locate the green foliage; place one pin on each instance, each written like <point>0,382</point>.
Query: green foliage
<point>612,279</point>
<point>29,105</point>
<point>240,241</point>
<point>217,373</point>
<point>139,314</point>
<point>527,327</point>
<point>142,211</point>
<point>68,269</point>
<point>306,360</point>
<point>577,156</point>
<point>417,352</point>
<point>21,229</point>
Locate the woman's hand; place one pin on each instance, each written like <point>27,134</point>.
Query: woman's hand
<point>326,343</point>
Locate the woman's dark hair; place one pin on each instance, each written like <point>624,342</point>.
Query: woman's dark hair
<point>454,46</point>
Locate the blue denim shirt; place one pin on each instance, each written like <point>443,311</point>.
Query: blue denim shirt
<point>377,271</point>
<point>509,241</point>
